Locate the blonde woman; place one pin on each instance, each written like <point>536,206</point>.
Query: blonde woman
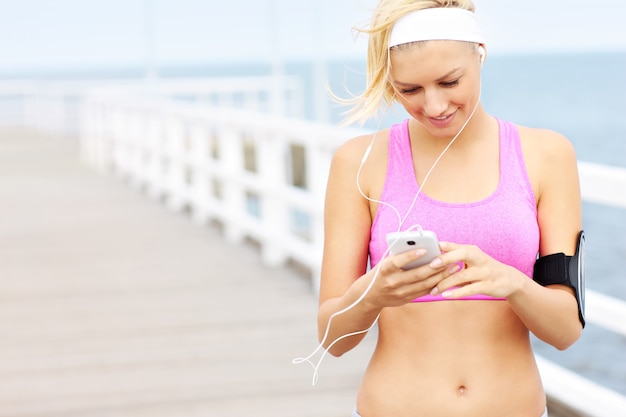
<point>453,334</point>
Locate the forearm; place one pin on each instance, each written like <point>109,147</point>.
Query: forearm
<point>549,313</point>
<point>344,315</point>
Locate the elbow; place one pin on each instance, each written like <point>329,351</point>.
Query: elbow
<point>336,353</point>
<point>563,345</point>
<point>569,339</point>
<point>334,349</point>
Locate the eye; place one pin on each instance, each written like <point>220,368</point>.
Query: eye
<point>409,91</point>
<point>449,84</point>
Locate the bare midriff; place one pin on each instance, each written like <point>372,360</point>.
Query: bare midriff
<point>452,358</point>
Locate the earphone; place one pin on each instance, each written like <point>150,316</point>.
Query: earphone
<point>401,221</point>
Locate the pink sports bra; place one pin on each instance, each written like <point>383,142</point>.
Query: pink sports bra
<point>504,225</point>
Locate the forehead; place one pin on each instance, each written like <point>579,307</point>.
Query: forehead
<point>428,60</point>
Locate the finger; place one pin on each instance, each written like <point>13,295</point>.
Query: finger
<point>445,278</point>
<point>395,262</point>
<point>443,260</point>
<point>422,286</point>
<point>408,257</point>
<point>463,283</point>
<point>448,246</point>
<point>454,253</point>
<point>463,291</point>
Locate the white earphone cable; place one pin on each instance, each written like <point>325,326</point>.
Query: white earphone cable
<point>385,254</point>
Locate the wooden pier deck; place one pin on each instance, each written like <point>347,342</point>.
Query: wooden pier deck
<point>112,306</point>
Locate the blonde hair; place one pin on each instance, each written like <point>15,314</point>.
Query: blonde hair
<point>378,88</point>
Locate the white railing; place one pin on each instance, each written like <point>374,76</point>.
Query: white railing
<point>248,171</point>
<point>55,105</point>
<point>262,176</point>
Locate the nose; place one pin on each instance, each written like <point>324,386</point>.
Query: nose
<point>435,102</point>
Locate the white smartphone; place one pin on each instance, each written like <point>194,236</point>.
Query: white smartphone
<point>400,242</point>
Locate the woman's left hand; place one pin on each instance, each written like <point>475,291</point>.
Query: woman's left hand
<point>481,273</point>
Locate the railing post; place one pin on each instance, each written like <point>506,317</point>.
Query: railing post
<point>318,163</point>
<point>88,134</point>
<point>136,134</point>
<point>155,149</point>
<point>233,194</point>
<point>99,136</point>
<point>118,141</point>
<point>199,198</point>
<point>176,187</point>
<point>274,209</point>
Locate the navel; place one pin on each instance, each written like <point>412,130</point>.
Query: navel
<point>461,391</point>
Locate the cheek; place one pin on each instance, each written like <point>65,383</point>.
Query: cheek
<point>412,102</point>
<point>412,106</point>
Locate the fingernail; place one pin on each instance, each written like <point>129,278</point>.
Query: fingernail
<point>435,263</point>
<point>420,252</point>
<point>434,291</point>
<point>446,294</point>
<point>453,268</point>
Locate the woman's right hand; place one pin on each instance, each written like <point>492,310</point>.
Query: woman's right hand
<point>394,286</point>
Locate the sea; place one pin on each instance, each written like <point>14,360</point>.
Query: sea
<point>581,95</point>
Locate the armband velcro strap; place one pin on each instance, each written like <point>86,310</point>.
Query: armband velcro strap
<point>552,269</point>
<point>559,268</point>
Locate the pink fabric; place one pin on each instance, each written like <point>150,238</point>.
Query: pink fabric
<point>504,225</point>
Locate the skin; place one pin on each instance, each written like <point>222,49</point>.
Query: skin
<point>419,366</point>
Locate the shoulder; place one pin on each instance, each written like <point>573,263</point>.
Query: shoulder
<point>550,160</point>
<point>545,145</point>
<point>546,152</point>
<point>354,151</point>
<point>551,163</point>
<point>360,160</point>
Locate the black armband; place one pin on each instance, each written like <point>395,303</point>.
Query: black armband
<point>566,270</point>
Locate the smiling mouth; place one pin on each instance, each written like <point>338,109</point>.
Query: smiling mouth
<point>441,121</point>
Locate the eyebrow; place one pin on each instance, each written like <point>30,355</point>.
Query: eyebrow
<point>443,77</point>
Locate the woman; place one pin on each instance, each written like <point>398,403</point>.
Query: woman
<point>453,335</point>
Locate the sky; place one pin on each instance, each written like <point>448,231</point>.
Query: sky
<point>83,34</point>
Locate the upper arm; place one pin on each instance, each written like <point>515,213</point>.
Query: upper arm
<point>553,169</point>
<point>347,223</point>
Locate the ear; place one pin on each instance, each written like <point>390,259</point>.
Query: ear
<point>482,53</point>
